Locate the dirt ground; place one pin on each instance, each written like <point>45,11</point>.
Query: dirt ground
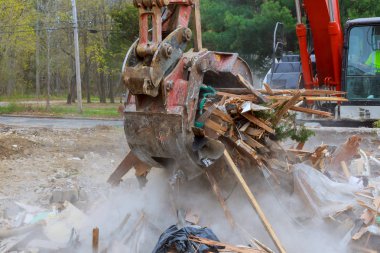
<point>34,162</point>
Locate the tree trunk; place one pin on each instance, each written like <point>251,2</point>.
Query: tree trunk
<point>38,82</point>
<point>48,72</point>
<point>68,101</point>
<point>86,74</point>
<point>11,75</point>
<point>102,90</point>
<point>111,93</point>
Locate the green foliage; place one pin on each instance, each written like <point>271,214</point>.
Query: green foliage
<point>376,124</point>
<point>246,27</point>
<point>108,28</point>
<point>289,129</point>
<point>361,8</point>
<point>61,110</point>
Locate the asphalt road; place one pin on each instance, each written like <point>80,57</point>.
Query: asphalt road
<point>57,122</point>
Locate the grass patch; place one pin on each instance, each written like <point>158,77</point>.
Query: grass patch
<point>28,97</point>
<point>62,110</point>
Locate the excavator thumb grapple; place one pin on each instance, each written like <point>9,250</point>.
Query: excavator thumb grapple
<point>167,86</point>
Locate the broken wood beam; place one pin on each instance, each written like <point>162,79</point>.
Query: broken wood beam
<point>310,111</point>
<point>226,246</point>
<point>258,122</point>
<point>218,194</point>
<point>95,240</point>
<point>310,98</point>
<point>258,133</point>
<point>304,92</point>
<point>130,161</point>
<point>244,146</point>
<point>249,86</point>
<point>216,127</point>
<point>345,169</point>
<point>248,97</point>
<point>279,114</point>
<point>223,116</point>
<point>268,89</point>
<point>254,202</point>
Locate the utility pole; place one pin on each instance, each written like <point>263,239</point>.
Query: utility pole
<point>38,84</point>
<point>77,60</point>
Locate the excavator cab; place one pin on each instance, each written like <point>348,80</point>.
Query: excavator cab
<point>362,72</point>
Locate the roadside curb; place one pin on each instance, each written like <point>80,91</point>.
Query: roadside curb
<point>57,117</point>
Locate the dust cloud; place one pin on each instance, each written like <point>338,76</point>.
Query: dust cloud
<point>298,227</point>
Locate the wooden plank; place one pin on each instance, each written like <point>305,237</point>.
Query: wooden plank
<point>307,98</point>
<point>253,143</point>
<point>311,111</point>
<point>206,114</point>
<point>241,144</point>
<point>258,133</point>
<point>223,116</point>
<point>268,89</point>
<point>302,152</point>
<point>258,122</point>
<point>229,248</point>
<point>277,104</point>
<point>127,164</point>
<point>254,202</point>
<point>244,97</point>
<point>249,86</point>
<point>218,194</point>
<point>216,127</point>
<point>304,92</point>
<point>345,169</point>
<point>95,240</point>
<point>245,127</point>
<point>286,107</point>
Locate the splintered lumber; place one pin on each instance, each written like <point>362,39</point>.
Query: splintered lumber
<point>226,246</point>
<point>309,98</point>
<point>249,86</point>
<point>268,89</point>
<point>223,116</point>
<point>245,127</point>
<point>241,144</point>
<point>207,113</point>
<point>216,127</point>
<point>95,240</point>
<point>126,165</point>
<point>345,169</point>
<point>218,194</point>
<point>262,246</point>
<point>300,152</point>
<point>272,92</point>
<point>248,97</point>
<point>310,111</point>
<point>304,92</point>
<point>135,228</point>
<point>255,132</point>
<point>253,202</point>
<point>286,107</point>
<point>258,122</point>
<point>253,143</point>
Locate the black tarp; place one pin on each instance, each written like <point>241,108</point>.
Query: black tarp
<point>178,238</point>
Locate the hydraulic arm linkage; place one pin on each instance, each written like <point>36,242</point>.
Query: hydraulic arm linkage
<point>164,84</point>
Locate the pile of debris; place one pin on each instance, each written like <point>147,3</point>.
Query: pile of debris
<point>249,119</point>
<point>250,123</point>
